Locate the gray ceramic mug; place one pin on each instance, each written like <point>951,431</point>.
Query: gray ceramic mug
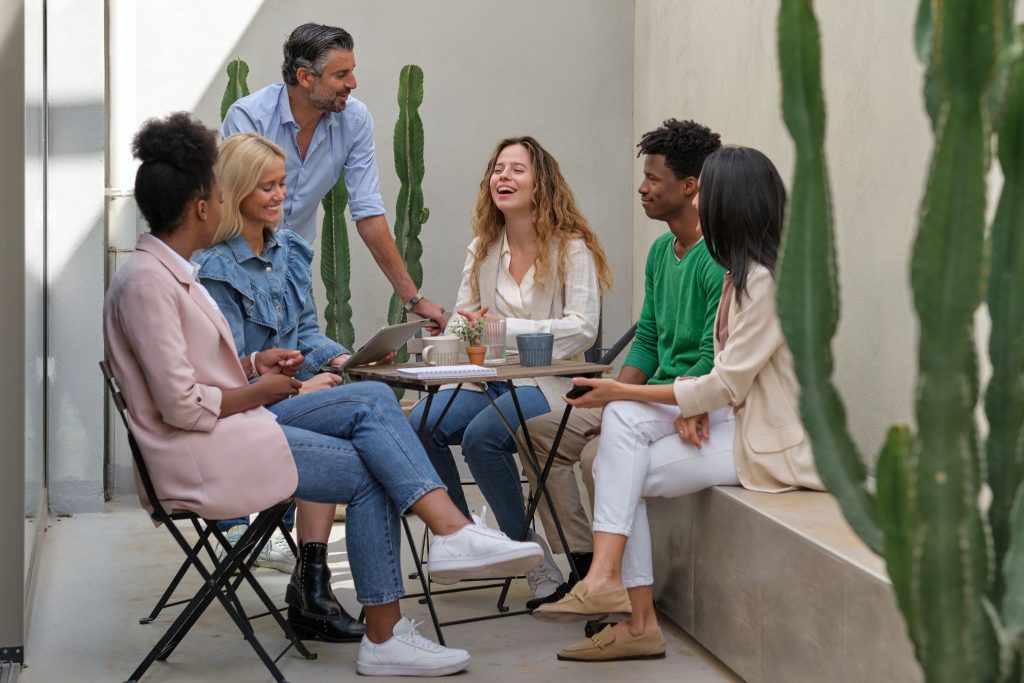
<point>535,348</point>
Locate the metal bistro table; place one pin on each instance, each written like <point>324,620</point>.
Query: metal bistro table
<point>507,372</point>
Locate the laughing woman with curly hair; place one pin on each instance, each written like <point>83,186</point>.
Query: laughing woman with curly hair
<point>536,263</point>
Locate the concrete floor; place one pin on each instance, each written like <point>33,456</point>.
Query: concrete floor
<point>99,573</point>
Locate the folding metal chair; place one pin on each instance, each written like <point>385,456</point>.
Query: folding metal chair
<point>222,577</point>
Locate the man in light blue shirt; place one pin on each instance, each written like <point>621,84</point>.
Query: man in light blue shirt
<point>323,131</point>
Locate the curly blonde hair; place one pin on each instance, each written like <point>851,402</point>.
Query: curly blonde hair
<point>554,212</point>
<point>242,161</point>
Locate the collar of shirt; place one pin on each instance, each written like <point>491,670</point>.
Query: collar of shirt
<point>242,252</point>
<point>189,267</point>
<point>284,106</point>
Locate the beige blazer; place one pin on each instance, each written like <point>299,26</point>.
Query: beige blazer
<point>753,373</point>
<point>570,312</point>
<point>171,352</point>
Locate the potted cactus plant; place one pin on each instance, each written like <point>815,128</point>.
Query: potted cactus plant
<point>470,333</point>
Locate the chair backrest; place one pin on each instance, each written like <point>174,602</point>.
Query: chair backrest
<point>140,464</point>
<point>611,354</point>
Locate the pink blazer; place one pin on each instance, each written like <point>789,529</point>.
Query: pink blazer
<point>171,352</point>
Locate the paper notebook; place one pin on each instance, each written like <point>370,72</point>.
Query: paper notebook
<point>448,372</point>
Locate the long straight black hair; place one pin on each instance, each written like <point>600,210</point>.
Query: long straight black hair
<point>741,204</point>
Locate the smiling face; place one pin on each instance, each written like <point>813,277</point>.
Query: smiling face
<point>512,180</point>
<point>262,206</point>
<point>330,90</point>
<point>662,195</point>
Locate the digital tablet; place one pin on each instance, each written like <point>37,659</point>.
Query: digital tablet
<point>384,341</point>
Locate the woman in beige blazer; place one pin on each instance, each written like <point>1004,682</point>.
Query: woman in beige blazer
<point>535,263</point>
<point>739,424</point>
<point>214,449</point>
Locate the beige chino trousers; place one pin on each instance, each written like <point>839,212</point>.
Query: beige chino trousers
<point>561,484</point>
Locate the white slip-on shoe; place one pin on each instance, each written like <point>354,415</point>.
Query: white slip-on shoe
<point>545,578</point>
<point>277,554</point>
<point>476,551</point>
<point>407,653</point>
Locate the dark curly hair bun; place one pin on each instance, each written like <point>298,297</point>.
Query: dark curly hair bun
<point>684,144</point>
<point>177,155</point>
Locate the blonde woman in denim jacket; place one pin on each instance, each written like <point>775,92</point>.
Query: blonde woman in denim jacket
<point>261,278</point>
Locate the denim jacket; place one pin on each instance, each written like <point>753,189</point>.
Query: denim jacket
<point>268,299</point>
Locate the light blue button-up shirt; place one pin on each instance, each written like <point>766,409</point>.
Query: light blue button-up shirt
<point>341,141</point>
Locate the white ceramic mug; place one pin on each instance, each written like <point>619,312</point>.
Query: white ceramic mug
<point>442,350</point>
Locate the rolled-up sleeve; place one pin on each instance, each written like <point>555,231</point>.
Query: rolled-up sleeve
<point>148,314</point>
<point>362,179</point>
<point>576,330</point>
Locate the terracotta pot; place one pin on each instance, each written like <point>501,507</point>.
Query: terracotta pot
<point>476,354</point>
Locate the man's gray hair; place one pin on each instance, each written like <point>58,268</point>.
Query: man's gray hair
<point>308,47</point>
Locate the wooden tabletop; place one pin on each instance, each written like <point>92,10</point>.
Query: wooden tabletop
<point>508,370</point>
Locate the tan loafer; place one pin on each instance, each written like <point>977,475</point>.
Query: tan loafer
<point>603,647</point>
<point>581,605</point>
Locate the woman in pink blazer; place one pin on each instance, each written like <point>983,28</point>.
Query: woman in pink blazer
<point>739,424</point>
<point>212,447</point>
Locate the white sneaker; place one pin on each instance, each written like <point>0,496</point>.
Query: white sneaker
<point>407,653</point>
<point>232,535</point>
<point>479,552</point>
<point>545,578</point>
<point>277,554</point>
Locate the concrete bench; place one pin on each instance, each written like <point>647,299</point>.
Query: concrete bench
<point>778,587</point>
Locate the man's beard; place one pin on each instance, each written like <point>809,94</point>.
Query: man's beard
<point>327,101</point>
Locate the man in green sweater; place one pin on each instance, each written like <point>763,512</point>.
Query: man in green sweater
<point>674,335</point>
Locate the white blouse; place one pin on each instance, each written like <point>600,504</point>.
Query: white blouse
<point>571,312</point>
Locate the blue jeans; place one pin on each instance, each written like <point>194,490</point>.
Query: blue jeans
<point>289,520</point>
<point>486,445</point>
<point>352,445</point>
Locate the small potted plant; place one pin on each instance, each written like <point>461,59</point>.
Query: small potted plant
<point>470,333</point>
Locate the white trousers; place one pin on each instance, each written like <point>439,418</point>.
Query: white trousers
<point>640,455</point>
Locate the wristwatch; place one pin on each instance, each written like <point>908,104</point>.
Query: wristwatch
<point>411,303</point>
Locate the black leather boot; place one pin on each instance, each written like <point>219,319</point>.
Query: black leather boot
<point>309,590</point>
<point>344,629</point>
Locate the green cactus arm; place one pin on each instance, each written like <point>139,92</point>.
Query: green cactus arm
<point>951,544</point>
<point>896,512</point>
<point>335,267</point>
<point>923,48</point>
<point>808,286</point>
<point>409,164</point>
<point>238,72</point>
<point>1013,571</point>
<point>1004,397</point>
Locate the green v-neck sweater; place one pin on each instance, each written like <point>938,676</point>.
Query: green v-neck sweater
<point>675,332</point>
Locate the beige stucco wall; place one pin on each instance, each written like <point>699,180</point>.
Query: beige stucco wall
<point>716,62</point>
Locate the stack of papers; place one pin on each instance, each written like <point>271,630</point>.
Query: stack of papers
<point>448,372</point>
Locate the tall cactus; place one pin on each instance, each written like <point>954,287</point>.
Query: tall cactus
<point>237,88</point>
<point>930,517</point>
<point>409,165</point>
<point>335,267</point>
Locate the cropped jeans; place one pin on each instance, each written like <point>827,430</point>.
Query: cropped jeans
<point>640,455</point>
<point>486,445</point>
<point>352,444</point>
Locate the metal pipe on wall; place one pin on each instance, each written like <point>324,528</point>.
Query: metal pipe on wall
<point>12,346</point>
